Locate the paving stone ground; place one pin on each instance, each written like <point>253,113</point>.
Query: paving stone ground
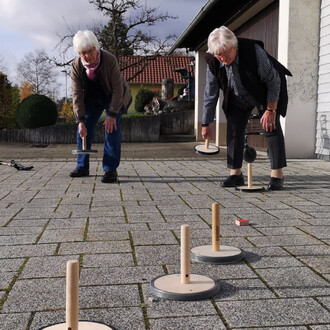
<point>126,234</point>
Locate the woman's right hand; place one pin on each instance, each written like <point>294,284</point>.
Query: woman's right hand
<point>82,129</point>
<point>206,132</point>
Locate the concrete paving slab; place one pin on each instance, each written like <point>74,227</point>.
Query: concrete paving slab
<point>273,312</point>
<point>127,233</point>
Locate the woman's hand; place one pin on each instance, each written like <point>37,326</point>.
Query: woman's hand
<point>82,129</point>
<point>110,124</point>
<point>268,121</point>
<point>206,132</point>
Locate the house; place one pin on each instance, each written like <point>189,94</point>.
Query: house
<point>297,33</point>
<point>149,72</point>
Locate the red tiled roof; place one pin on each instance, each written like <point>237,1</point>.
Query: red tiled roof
<point>156,69</point>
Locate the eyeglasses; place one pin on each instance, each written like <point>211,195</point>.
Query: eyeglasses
<point>224,54</point>
<point>86,52</point>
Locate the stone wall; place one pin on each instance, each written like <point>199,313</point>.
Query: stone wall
<point>134,129</point>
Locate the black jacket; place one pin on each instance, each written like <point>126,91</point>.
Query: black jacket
<point>248,69</point>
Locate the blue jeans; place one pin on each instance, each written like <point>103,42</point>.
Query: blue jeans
<point>112,141</point>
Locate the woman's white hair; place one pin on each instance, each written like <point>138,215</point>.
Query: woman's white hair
<point>83,40</point>
<point>221,39</point>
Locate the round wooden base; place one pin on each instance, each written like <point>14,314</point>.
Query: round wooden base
<point>211,150</point>
<point>226,255</point>
<point>83,325</point>
<point>250,189</point>
<point>170,287</point>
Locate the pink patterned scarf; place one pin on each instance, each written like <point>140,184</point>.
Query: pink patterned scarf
<point>91,68</point>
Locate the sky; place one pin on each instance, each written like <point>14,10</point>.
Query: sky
<point>28,25</point>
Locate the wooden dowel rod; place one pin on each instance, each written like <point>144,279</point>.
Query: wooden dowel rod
<point>185,254</point>
<point>249,175</point>
<point>215,227</point>
<point>84,143</point>
<point>72,295</point>
<point>207,142</point>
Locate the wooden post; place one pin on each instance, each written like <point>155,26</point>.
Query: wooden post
<point>185,254</point>
<point>84,144</point>
<point>72,295</point>
<point>207,142</point>
<point>249,175</point>
<point>215,227</point>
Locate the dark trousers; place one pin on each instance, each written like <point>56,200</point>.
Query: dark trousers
<point>237,119</point>
<point>112,141</point>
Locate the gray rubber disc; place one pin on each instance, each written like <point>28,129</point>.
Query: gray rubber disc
<point>211,150</point>
<point>170,287</point>
<point>226,255</point>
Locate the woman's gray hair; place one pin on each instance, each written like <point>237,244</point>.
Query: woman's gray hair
<point>220,39</point>
<point>83,40</point>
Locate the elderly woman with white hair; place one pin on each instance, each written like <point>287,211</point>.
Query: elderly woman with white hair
<point>249,77</point>
<point>97,85</point>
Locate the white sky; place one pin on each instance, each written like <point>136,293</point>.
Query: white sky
<point>27,25</point>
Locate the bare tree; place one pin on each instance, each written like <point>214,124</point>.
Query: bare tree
<point>36,69</point>
<point>128,32</point>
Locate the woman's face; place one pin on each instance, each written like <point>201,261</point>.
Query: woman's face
<point>89,55</point>
<point>227,56</point>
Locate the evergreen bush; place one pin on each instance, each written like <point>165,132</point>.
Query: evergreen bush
<point>143,97</point>
<point>36,111</point>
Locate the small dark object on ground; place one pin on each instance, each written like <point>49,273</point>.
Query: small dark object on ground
<point>19,167</point>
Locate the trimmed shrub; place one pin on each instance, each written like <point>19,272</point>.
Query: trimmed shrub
<point>36,111</point>
<point>143,97</point>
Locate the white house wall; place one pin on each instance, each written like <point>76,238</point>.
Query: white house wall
<point>298,50</point>
<point>322,146</point>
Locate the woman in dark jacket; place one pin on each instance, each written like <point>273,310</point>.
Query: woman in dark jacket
<point>249,77</point>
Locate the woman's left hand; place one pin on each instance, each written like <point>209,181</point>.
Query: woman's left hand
<point>110,124</point>
<point>268,121</point>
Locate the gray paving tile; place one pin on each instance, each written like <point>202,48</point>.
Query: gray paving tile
<point>17,321</point>
<point>295,282</point>
<point>157,255</point>
<point>108,260</point>
<point>273,312</point>
<point>309,250</point>
<point>109,296</point>
<point>284,240</point>
<point>242,289</point>
<point>19,251</point>
<point>62,235</point>
<point>187,323</point>
<point>119,275</point>
<point>150,238</point>
<point>6,278</point>
<point>94,247</point>
<point>44,294</point>
<point>51,266</point>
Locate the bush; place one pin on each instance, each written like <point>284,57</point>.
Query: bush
<point>143,97</point>
<point>36,111</point>
<point>67,112</point>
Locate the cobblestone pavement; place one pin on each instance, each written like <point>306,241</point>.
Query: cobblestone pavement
<point>126,234</point>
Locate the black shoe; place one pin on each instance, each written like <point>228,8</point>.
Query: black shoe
<point>78,173</point>
<point>233,181</point>
<point>275,184</point>
<point>109,177</point>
